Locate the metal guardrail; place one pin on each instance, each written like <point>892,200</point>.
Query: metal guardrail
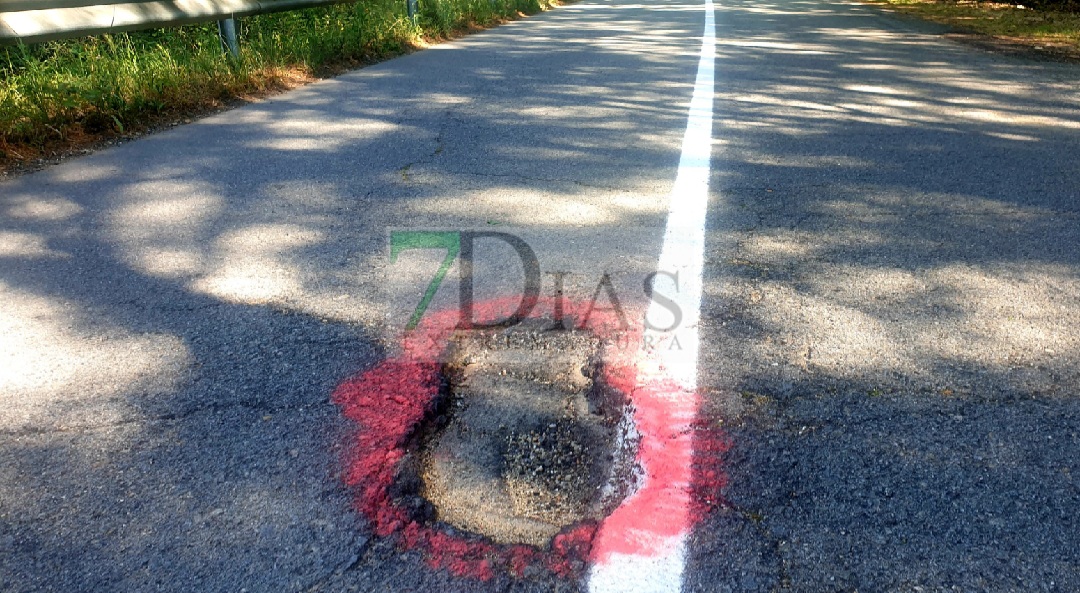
<point>32,21</point>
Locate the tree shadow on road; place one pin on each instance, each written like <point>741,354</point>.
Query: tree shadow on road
<point>891,302</point>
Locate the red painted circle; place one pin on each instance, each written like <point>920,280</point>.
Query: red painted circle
<point>390,401</point>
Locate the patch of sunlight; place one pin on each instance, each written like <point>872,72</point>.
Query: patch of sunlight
<point>963,100</point>
<point>1016,137</point>
<point>869,66</point>
<point>855,319</point>
<point>163,235</point>
<point>1012,314</point>
<point>636,203</point>
<point>767,10</point>
<point>15,244</point>
<point>603,115</point>
<point>854,209</point>
<point>877,90</point>
<point>314,143</point>
<point>504,205</point>
<point>522,153</point>
<point>649,7</point>
<point>556,210</point>
<point>882,115</point>
<point>634,46</point>
<point>185,231</point>
<point>82,172</point>
<point>48,209</point>
<point>996,116</point>
<point>253,114</point>
<point>252,263</point>
<point>815,106</point>
<point>318,133</point>
<point>448,98</point>
<point>169,263</point>
<point>902,103</point>
<point>792,48</point>
<point>50,358</point>
<point>776,248</point>
<point>154,216</point>
<point>772,126</point>
<point>758,98</point>
<point>843,338</point>
<point>866,34</point>
<point>973,83</point>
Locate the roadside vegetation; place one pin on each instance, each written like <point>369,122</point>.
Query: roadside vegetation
<point>1046,26</point>
<point>63,95</point>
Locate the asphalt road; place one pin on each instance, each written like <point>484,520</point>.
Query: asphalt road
<point>889,326</point>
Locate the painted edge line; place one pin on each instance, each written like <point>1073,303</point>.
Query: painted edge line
<point>641,547</point>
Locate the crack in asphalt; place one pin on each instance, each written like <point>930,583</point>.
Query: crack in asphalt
<point>349,565</point>
<point>168,418</point>
<point>537,179</point>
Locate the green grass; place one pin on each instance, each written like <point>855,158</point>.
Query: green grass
<point>1045,26</point>
<point>60,94</point>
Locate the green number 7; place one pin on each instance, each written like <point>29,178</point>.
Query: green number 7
<point>405,240</point>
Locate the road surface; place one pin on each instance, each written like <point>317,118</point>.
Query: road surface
<point>889,299</point>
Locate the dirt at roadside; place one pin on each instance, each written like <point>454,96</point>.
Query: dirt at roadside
<point>1028,47</point>
<point>1020,46</point>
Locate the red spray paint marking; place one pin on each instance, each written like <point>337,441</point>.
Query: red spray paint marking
<point>680,456</point>
<point>390,401</point>
<point>658,510</point>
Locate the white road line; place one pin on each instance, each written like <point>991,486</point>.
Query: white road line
<point>642,546</point>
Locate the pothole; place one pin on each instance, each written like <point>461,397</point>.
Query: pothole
<point>527,439</point>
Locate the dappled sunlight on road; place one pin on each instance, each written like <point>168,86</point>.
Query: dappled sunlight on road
<point>892,292</point>
<point>902,214</point>
<point>62,370</point>
<point>179,308</point>
<point>499,206</point>
<point>781,47</point>
<point>944,94</point>
<point>41,209</point>
<point>887,320</point>
<point>26,245</point>
<point>251,264</point>
<point>288,204</point>
<point>315,131</point>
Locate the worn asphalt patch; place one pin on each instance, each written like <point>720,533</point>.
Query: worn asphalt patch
<point>525,443</point>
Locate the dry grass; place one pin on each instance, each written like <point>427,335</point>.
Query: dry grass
<point>1013,27</point>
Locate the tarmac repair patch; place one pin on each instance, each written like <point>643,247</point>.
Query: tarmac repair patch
<point>526,441</point>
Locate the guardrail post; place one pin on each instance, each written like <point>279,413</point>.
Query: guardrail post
<point>227,34</point>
